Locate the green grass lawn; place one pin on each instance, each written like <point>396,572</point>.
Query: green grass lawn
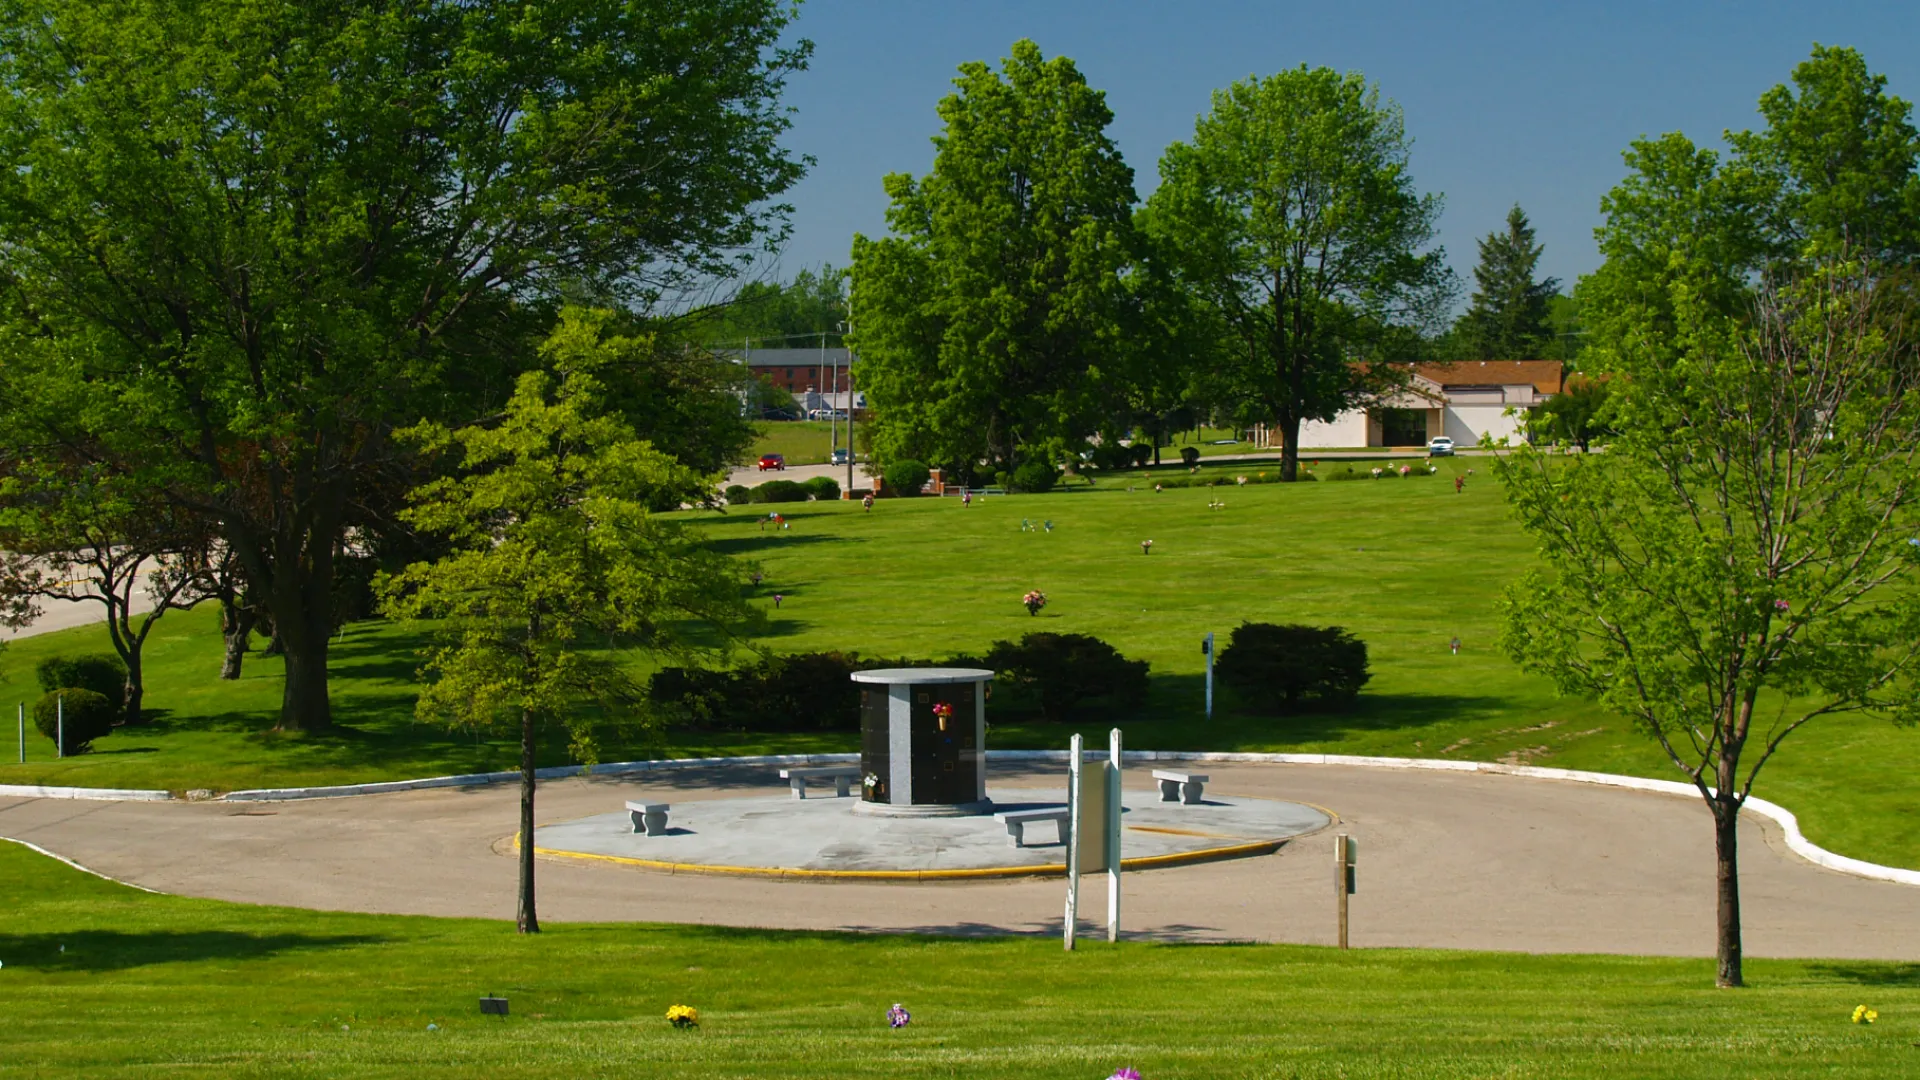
<point>804,442</point>
<point>1405,564</point>
<point>103,981</point>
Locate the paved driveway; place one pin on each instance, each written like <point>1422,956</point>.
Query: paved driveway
<point>1446,860</point>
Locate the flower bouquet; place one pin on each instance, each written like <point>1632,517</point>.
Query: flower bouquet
<point>1125,1072</point>
<point>898,1016</point>
<point>942,712</point>
<point>683,1016</point>
<point>1864,1015</point>
<point>1035,600</point>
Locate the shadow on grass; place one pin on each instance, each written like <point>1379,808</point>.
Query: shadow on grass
<point>116,950</point>
<point>747,545</point>
<point>1869,974</point>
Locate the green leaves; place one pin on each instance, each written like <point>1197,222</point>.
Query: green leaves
<point>558,562</point>
<point>988,322</point>
<point>1292,217</point>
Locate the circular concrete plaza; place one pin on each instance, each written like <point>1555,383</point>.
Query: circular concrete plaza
<point>780,836</point>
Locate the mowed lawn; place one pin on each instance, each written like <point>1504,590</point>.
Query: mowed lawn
<point>1405,564</point>
<point>102,981</point>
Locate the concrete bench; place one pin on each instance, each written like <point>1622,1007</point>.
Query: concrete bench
<point>842,776</point>
<point>1179,786</point>
<point>648,817</point>
<point>1018,820</point>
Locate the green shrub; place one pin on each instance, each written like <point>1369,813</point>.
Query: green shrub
<point>1002,479</point>
<point>1035,477</point>
<point>1064,676</point>
<point>822,488</point>
<point>89,716</point>
<point>1140,452</point>
<point>1109,455</point>
<point>1190,456</point>
<point>780,491</point>
<point>1281,669</point>
<point>905,478</point>
<point>103,673</point>
<point>739,494</point>
<point>802,692</point>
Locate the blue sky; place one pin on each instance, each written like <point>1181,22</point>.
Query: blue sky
<point>1505,102</point>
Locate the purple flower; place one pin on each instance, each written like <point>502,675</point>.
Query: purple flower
<point>1125,1072</point>
<point>898,1016</point>
<point>1781,605</point>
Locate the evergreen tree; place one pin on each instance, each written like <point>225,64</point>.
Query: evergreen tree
<point>1511,316</point>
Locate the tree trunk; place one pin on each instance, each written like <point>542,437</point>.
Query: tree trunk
<point>236,624</point>
<point>527,919</point>
<point>303,621</point>
<point>1289,449</point>
<point>135,691</point>
<point>1726,839</point>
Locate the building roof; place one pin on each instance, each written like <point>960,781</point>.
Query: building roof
<point>789,357</point>
<point>1545,376</point>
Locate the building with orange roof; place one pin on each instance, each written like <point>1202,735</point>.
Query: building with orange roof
<point>1464,401</point>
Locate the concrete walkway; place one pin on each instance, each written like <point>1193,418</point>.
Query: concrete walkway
<point>1446,860</point>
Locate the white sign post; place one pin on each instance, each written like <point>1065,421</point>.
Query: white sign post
<point>23,733</point>
<point>60,727</point>
<point>1073,839</point>
<point>1112,825</point>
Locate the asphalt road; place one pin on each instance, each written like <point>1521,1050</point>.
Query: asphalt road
<point>1446,860</point>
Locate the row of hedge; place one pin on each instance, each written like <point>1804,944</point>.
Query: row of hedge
<point>80,699</point>
<point>821,488</point>
<point>1059,678</point>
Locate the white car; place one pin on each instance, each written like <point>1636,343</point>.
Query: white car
<point>1440,446</point>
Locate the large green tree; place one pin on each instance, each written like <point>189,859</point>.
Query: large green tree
<point>247,240</point>
<point>1293,217</point>
<point>1511,314</point>
<point>1741,561</point>
<point>988,323</point>
<point>557,567</point>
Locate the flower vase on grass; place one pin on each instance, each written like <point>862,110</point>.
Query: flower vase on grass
<point>1035,600</point>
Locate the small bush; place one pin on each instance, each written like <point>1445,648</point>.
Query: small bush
<point>739,494</point>
<point>1063,676</point>
<point>780,491</point>
<point>1190,456</point>
<point>802,692</point>
<point>1140,452</point>
<point>822,488</point>
<point>1281,669</point>
<point>1109,455</point>
<point>905,478</point>
<point>1002,479</point>
<point>103,673</point>
<point>1034,477</point>
<point>89,716</point>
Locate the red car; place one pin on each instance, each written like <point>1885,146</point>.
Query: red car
<point>772,461</point>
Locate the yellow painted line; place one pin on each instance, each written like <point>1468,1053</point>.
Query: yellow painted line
<point>1183,832</point>
<point>1148,862</point>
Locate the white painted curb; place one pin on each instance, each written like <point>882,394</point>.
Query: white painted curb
<point>1779,815</point>
<point>37,849</point>
<point>37,791</point>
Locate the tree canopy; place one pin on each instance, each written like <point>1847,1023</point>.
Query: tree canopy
<point>987,322</point>
<point>1511,314</point>
<point>247,240</point>
<point>1292,216</point>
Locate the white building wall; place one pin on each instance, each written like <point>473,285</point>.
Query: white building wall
<point>1347,429</point>
<point>1465,424</point>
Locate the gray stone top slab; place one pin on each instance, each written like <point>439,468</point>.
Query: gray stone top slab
<point>924,675</point>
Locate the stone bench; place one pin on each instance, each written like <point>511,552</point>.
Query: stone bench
<point>843,777</point>
<point>648,817</point>
<point>1018,820</point>
<point>1179,786</point>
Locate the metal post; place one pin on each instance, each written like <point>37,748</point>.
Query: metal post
<point>833,422</point>
<point>1342,880</point>
<point>1208,649</point>
<point>23,733</point>
<point>1112,825</point>
<point>60,726</point>
<point>846,328</point>
<point>1073,840</point>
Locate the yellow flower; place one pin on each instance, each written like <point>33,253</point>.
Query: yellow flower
<point>683,1016</point>
<point>1864,1015</point>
